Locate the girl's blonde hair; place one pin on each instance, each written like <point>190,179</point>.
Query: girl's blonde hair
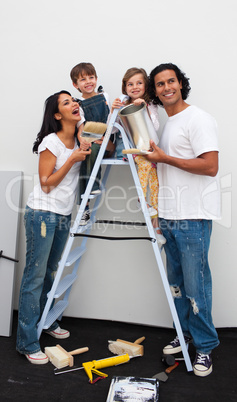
<point>129,74</point>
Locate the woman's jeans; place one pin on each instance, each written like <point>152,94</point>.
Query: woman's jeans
<point>190,279</point>
<point>46,235</point>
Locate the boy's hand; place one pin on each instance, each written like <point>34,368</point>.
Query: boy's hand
<point>84,145</point>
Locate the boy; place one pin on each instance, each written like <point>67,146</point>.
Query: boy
<point>93,107</point>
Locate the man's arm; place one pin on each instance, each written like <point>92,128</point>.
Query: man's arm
<point>205,164</point>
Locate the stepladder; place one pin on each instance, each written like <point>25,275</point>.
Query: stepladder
<point>58,297</point>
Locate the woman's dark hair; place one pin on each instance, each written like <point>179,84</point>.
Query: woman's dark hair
<point>50,124</point>
<point>180,76</point>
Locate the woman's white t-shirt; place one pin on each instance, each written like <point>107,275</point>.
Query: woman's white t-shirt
<point>61,199</point>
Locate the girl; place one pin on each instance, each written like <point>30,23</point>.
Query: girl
<point>135,86</point>
<point>47,217</point>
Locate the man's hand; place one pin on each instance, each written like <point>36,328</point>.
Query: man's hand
<point>157,154</point>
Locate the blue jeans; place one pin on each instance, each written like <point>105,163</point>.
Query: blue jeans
<point>190,279</point>
<point>46,235</point>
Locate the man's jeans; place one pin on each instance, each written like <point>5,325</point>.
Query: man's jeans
<point>46,235</point>
<point>190,279</point>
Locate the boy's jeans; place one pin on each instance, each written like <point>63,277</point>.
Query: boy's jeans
<point>95,109</point>
<point>190,278</point>
<point>46,235</point>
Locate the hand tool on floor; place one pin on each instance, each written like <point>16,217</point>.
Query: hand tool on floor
<point>60,358</point>
<point>168,360</point>
<point>93,131</point>
<point>120,346</point>
<point>162,376</point>
<point>94,366</point>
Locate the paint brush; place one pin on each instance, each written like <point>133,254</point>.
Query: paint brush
<point>60,358</point>
<point>119,347</point>
<point>93,131</point>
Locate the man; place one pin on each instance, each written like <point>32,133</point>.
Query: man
<point>189,199</point>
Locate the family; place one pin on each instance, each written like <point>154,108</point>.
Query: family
<point>181,172</point>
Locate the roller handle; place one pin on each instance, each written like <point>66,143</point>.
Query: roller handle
<point>111,361</point>
<point>78,351</point>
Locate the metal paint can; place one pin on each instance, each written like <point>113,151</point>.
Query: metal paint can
<point>138,126</point>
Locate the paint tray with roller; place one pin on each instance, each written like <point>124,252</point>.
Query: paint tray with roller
<point>139,128</point>
<point>132,348</point>
<point>93,131</point>
<point>60,358</point>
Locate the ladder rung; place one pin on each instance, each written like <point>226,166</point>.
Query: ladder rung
<point>113,161</point>
<point>74,255</point>
<point>55,312</point>
<point>65,283</point>
<point>91,196</point>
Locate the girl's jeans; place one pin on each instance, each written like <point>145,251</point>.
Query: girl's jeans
<point>46,235</point>
<point>190,279</point>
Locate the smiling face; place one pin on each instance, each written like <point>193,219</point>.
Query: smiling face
<point>86,84</point>
<point>135,87</point>
<point>68,109</point>
<point>168,90</point>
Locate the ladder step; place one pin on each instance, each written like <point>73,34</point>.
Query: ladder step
<point>65,283</point>
<point>74,255</point>
<point>91,196</point>
<point>55,312</point>
<point>113,161</point>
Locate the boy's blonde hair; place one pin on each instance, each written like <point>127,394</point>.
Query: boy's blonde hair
<point>129,74</point>
<point>82,69</point>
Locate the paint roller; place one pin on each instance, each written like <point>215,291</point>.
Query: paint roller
<point>60,358</point>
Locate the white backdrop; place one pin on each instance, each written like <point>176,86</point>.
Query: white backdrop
<point>40,42</point>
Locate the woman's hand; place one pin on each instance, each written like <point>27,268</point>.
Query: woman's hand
<point>80,155</point>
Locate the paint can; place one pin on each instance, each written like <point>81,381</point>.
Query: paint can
<point>138,126</point>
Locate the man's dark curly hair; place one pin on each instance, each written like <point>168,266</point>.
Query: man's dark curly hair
<point>179,74</point>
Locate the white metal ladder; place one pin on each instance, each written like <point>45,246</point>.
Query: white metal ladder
<point>61,287</point>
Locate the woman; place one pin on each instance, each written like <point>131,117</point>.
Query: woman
<point>48,216</point>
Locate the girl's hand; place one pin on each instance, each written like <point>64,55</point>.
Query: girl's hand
<point>138,101</point>
<point>117,104</point>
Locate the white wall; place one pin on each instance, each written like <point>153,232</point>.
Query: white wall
<point>40,43</point>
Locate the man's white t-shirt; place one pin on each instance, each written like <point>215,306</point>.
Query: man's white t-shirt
<point>184,195</point>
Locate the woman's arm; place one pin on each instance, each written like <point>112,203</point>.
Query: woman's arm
<point>47,161</point>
